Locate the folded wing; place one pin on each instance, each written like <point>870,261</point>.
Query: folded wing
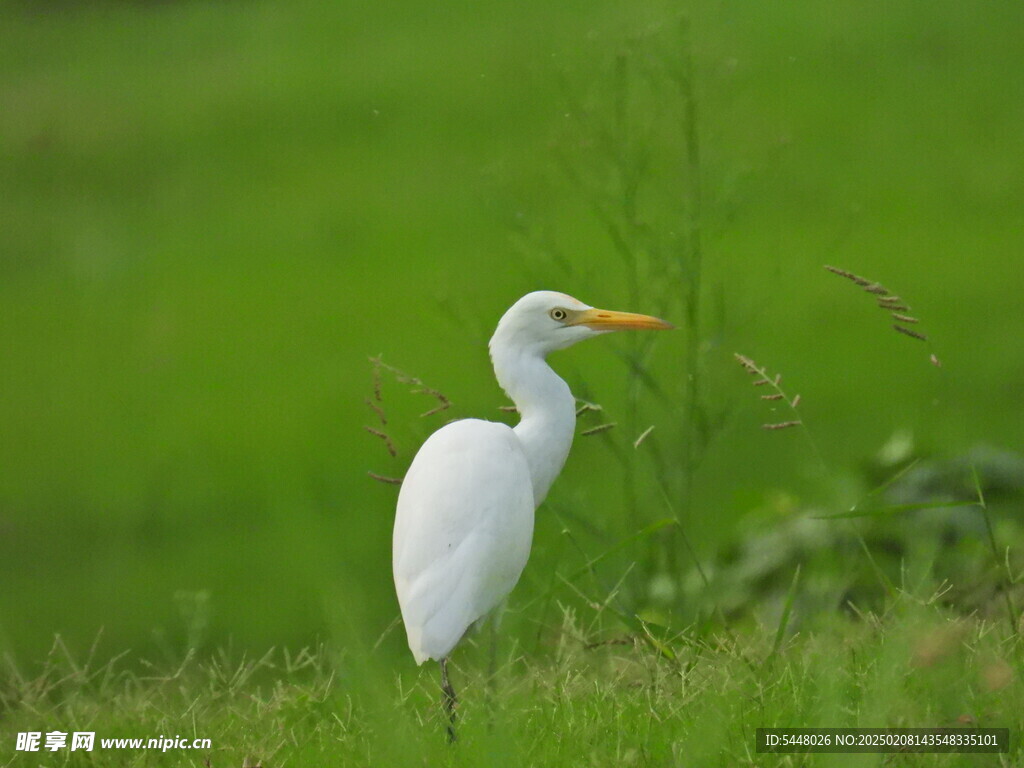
<point>462,532</point>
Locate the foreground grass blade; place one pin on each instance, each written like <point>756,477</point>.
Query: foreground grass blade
<point>895,509</point>
<point>1011,609</point>
<point>787,610</point>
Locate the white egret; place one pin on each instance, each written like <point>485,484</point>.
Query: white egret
<point>464,521</point>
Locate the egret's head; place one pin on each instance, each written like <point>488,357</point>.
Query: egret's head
<point>544,321</point>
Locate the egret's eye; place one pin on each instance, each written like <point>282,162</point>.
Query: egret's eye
<point>558,314</point>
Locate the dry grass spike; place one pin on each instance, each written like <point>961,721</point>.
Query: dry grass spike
<point>891,303</point>
<point>751,367</point>
<point>378,410</point>
<point>861,281</point>
<point>598,429</point>
<point>385,437</point>
<point>764,379</point>
<point>442,407</point>
<point>782,425</point>
<point>643,436</point>
<point>910,333</point>
<point>841,272</point>
<point>585,406</point>
<point>416,384</point>
<point>377,394</point>
<point>893,306</point>
<point>376,404</point>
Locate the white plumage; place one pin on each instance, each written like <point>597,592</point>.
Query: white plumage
<point>453,560</point>
<point>464,521</point>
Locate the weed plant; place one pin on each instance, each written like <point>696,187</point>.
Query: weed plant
<point>589,702</point>
<point>811,619</point>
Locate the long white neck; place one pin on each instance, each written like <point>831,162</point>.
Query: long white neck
<point>547,411</point>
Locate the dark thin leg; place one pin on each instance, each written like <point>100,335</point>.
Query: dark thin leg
<point>492,669</point>
<point>449,700</point>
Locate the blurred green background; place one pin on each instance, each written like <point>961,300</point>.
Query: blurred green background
<point>213,213</point>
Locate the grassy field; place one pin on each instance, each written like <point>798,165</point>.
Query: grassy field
<point>214,214</point>
<point>582,703</point>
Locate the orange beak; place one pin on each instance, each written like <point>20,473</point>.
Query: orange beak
<point>609,320</point>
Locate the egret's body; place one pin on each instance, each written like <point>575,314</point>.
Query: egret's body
<point>455,561</point>
<point>465,511</point>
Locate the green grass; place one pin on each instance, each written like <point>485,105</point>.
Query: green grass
<point>214,214</point>
<point>589,698</point>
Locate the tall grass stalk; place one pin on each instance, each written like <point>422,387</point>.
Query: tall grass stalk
<point>1002,562</point>
<point>652,218</point>
<point>691,257</point>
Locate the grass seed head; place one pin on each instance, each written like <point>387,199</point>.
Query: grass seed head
<point>385,437</point>
<point>765,380</point>
<point>377,395</point>
<point>861,281</point>
<point>908,332</point>
<point>891,303</point>
<point>748,365</point>
<point>373,406</point>
<point>643,436</point>
<point>841,272</point>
